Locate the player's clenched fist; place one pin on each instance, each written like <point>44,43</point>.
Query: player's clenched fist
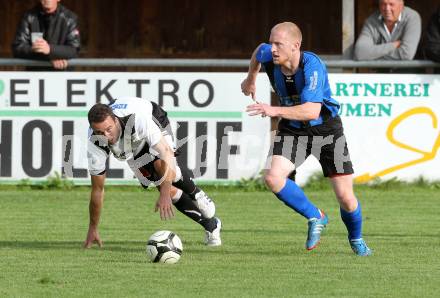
<point>248,87</point>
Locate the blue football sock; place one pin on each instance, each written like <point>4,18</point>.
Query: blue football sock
<point>293,196</point>
<point>353,222</point>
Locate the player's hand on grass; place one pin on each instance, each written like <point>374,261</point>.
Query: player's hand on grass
<point>92,237</point>
<point>164,206</point>
<point>248,87</point>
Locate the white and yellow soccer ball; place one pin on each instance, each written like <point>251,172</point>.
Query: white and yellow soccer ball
<point>164,247</point>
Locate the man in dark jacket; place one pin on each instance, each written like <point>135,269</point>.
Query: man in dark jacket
<point>49,31</point>
<point>432,38</point>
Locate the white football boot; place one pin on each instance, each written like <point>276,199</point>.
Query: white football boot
<point>213,238</point>
<point>205,204</point>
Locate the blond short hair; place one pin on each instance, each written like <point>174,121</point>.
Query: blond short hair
<point>292,30</point>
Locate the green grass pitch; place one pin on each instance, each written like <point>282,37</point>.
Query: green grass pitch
<point>263,254</point>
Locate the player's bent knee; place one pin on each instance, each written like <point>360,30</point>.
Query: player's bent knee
<point>275,183</point>
<point>173,191</point>
<point>347,201</point>
<point>162,169</point>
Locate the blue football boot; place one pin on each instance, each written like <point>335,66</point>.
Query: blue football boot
<point>360,248</point>
<point>316,226</point>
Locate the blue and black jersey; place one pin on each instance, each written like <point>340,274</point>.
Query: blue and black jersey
<point>308,84</point>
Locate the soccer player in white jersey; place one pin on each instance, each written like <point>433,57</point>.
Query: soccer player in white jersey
<point>138,131</point>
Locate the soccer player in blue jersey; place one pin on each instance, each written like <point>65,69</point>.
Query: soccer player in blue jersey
<point>309,125</point>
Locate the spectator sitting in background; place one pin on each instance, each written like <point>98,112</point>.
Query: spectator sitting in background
<point>49,31</point>
<point>432,38</point>
<point>391,33</point>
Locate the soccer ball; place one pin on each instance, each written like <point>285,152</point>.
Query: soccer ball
<point>164,247</point>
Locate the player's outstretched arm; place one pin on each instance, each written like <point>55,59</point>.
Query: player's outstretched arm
<point>248,85</point>
<point>167,169</point>
<point>303,112</point>
<point>95,206</point>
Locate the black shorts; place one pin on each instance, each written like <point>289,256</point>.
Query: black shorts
<point>326,142</point>
<point>149,172</point>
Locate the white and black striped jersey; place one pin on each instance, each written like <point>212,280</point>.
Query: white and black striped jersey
<point>142,125</point>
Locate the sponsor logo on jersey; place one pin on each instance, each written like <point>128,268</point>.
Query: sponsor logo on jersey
<point>313,81</point>
<point>119,106</point>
